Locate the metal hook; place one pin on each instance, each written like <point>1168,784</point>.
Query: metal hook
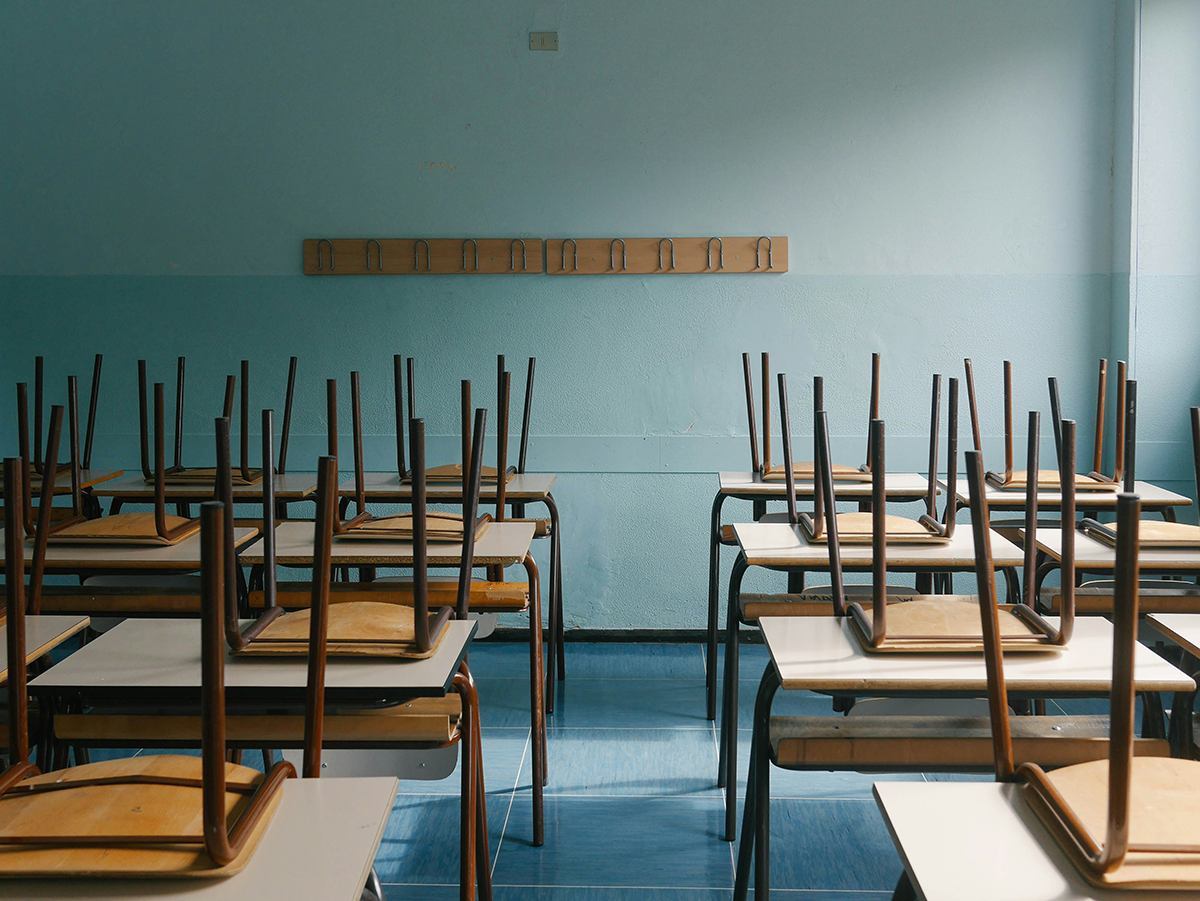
<point>417,254</point>
<point>330,243</point>
<point>512,259</point>
<point>612,257</point>
<point>474,247</point>
<point>575,250</point>
<point>757,255</point>
<point>660,244</point>
<point>378,254</point>
<point>720,253</point>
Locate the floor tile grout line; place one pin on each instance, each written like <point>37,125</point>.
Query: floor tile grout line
<point>512,798</point>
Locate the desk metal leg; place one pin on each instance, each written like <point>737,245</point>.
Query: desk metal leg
<point>537,709</point>
<point>714,578</point>
<point>556,654</point>
<point>756,819</point>
<point>729,711</point>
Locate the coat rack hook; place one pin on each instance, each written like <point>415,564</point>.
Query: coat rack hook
<point>378,255</point>
<point>575,254</point>
<point>417,255</point>
<point>758,255</point>
<point>475,248</point>
<point>512,259</point>
<point>672,246</point>
<point>612,264</point>
<point>330,243</point>
<point>720,253</point>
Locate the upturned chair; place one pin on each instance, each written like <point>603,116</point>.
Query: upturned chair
<point>191,817</point>
<point>93,403</point>
<point>1048,478</point>
<point>1124,822</point>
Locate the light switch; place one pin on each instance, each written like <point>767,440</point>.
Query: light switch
<point>543,40</point>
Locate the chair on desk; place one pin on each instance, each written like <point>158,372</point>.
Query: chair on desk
<point>419,724</point>
<point>77,822</point>
<point>898,743</point>
<point>1124,822</point>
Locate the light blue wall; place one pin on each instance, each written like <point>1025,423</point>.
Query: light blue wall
<point>944,172</point>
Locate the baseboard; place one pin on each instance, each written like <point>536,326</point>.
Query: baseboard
<point>647,636</point>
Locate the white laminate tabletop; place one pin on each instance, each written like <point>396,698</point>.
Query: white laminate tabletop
<point>820,654</point>
<point>320,843</point>
<point>523,487</point>
<point>163,655</point>
<point>135,488</point>
<point>1092,555</point>
<point>503,542</point>
<point>781,544</point>
<point>1181,628</point>
<point>1151,495</point>
<point>898,486</point>
<point>42,634</point>
<point>181,557</point>
<point>979,841</point>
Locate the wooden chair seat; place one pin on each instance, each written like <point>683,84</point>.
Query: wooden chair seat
<point>914,627</point>
<point>424,720</point>
<point>361,629</point>
<point>1152,533</point>
<point>1154,596</point>
<point>817,601</point>
<point>125,528</point>
<point>855,528</point>
<point>206,475</point>
<point>1164,810</point>
<point>1049,480</point>
<point>506,597</point>
<point>541,527</point>
<point>452,473</point>
<point>130,808</point>
<point>441,527</point>
<point>803,472</point>
<point>939,742</point>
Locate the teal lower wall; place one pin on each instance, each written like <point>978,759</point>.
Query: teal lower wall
<point>639,397</point>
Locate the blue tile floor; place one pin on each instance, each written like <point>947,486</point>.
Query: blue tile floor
<point>632,809</point>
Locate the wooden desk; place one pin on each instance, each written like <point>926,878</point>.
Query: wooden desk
<point>160,659</point>
<point>901,487</point>
<point>1093,556</point>
<point>821,655</point>
<point>1159,500</point>
<point>183,557</point>
<point>504,543</point>
<point>319,844</point>
<point>981,842</point>
<point>781,546</point>
<point>134,489</point>
<point>1184,630</point>
<point>521,489</point>
<point>42,635</point>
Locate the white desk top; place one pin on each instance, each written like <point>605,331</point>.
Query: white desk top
<point>1092,555</point>
<point>42,634</point>
<point>1151,495</point>
<point>1181,628</point>
<point>898,485</point>
<point>320,844</point>
<point>503,542</point>
<point>181,557</point>
<point>146,656</point>
<point>820,654</point>
<point>382,486</point>
<point>135,488</point>
<point>978,841</point>
<point>780,544</point>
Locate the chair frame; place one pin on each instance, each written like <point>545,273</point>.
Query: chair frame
<point>93,403</point>
<point>222,843</point>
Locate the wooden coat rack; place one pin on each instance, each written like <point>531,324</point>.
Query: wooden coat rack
<point>420,256</point>
<point>666,256</point>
